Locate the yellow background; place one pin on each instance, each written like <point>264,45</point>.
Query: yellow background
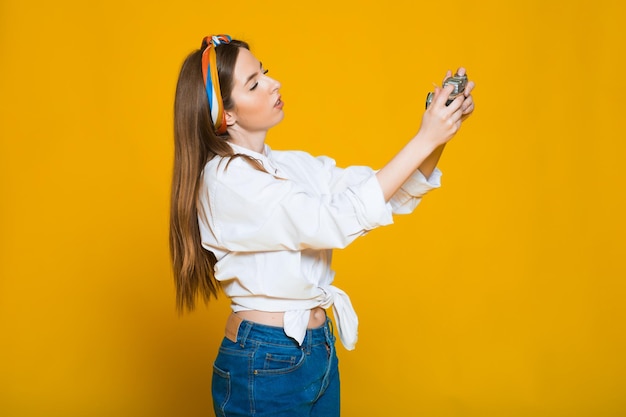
<point>503,295</point>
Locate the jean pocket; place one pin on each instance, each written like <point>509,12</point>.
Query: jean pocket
<point>276,360</point>
<point>220,390</point>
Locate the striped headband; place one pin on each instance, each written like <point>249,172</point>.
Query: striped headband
<point>211,80</point>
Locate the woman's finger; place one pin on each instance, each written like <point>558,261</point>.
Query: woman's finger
<point>468,88</point>
<point>456,103</point>
<point>442,95</point>
<point>468,105</point>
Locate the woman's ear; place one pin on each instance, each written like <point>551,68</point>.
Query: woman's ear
<point>230,118</point>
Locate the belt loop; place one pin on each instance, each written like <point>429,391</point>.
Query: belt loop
<point>244,331</point>
<point>308,338</point>
<point>329,331</point>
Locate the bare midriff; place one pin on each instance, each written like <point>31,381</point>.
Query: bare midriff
<point>316,319</point>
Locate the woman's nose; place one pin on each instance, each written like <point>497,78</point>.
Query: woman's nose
<point>275,84</point>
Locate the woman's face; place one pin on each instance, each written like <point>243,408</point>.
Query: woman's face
<point>258,105</point>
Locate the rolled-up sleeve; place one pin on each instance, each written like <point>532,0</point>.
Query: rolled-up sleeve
<point>407,198</point>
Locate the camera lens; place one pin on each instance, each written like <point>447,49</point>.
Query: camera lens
<point>429,98</point>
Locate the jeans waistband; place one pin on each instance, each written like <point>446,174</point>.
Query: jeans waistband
<point>239,330</point>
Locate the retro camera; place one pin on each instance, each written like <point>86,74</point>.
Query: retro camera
<point>458,81</point>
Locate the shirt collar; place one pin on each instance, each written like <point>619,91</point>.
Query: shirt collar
<point>265,157</point>
<point>240,149</point>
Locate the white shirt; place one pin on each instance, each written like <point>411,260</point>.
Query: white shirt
<point>273,232</point>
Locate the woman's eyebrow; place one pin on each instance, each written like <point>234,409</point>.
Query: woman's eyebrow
<point>255,74</point>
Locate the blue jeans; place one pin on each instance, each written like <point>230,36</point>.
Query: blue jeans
<point>266,373</point>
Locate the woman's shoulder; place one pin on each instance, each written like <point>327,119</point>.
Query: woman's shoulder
<point>301,157</point>
<point>235,170</point>
<point>222,163</point>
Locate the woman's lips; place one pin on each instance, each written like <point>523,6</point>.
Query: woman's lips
<point>279,103</point>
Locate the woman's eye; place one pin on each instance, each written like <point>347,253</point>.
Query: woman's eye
<point>257,83</point>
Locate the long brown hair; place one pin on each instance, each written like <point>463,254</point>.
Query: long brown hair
<point>195,143</point>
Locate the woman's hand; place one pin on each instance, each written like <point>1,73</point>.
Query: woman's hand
<point>468,104</point>
<point>440,122</point>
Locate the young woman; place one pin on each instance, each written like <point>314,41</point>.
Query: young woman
<point>260,225</point>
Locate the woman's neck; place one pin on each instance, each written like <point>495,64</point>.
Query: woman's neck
<point>255,141</point>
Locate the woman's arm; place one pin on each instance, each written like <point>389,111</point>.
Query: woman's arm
<point>430,163</point>
<point>439,124</point>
